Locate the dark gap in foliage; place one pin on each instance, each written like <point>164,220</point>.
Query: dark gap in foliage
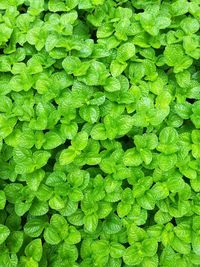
<point>53,102</point>
<point>57,12</point>
<point>126,245</point>
<point>139,10</point>
<point>67,143</point>
<point>93,35</point>
<point>187,126</point>
<point>186,180</point>
<point>168,70</point>
<point>160,248</point>
<point>22,8</point>
<point>190,100</point>
<point>42,239</point>
<point>80,125</point>
<point>50,165</point>
<point>52,160</point>
<point>18,45</point>
<point>173,221</point>
<point>58,65</point>
<point>86,166</point>
<point>164,31</point>
<point>125,184</point>
<point>42,15</point>
<point>2,12</point>
<point>150,219</point>
<point>79,260</point>
<point>27,58</point>
<point>23,219</point>
<point>148,172</point>
<point>93,171</point>
<point>144,130</point>
<point>82,15</point>
<point>126,142</point>
<point>159,51</point>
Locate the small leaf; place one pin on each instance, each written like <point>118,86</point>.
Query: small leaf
<point>4,233</point>
<point>51,236</point>
<point>34,249</point>
<point>67,156</point>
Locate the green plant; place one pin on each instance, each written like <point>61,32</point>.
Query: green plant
<point>99,133</point>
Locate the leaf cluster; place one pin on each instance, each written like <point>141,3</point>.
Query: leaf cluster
<point>99,133</point>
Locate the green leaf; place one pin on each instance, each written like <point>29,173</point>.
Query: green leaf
<point>112,84</point>
<point>56,202</point>
<point>34,179</point>
<point>4,233</point>
<point>117,68</point>
<point>2,200</point>
<point>74,236</point>
<point>168,136</point>
<point>180,246</point>
<point>34,227</point>
<point>132,157</point>
<point>123,209</point>
<point>112,225</point>
<point>183,232</point>
<point>38,208</point>
<point>68,131</point>
<point>67,156</point>
<point>52,140</point>
<point>70,64</point>
<point>96,74</point>
<point>80,141</point>
<point>167,162</point>
<point>190,25</point>
<point>179,7</point>
<point>125,52</point>
<point>100,247</point>
<point>160,191</point>
<point>60,224</point>
<point>117,250</point>
<point>90,113</point>
<point>146,156</point>
<point>15,241</point>
<point>55,7</point>
<point>175,57</point>
<point>41,158</point>
<point>149,247</point>
<point>24,160</point>
<point>34,249</point>
<point>196,244</point>
<point>51,236</point>
<point>150,261</point>
<point>90,223</point>
<point>133,256</point>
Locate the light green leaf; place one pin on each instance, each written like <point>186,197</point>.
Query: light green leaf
<point>125,52</point>
<point>2,199</point>
<point>133,256</point>
<point>34,249</point>
<point>51,236</point>
<point>80,141</point>
<point>90,223</point>
<point>52,140</point>
<point>4,233</point>
<point>67,156</point>
<point>132,157</point>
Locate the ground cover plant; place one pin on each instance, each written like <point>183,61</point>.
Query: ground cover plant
<point>99,133</point>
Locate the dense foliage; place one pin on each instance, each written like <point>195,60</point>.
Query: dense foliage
<point>99,133</point>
